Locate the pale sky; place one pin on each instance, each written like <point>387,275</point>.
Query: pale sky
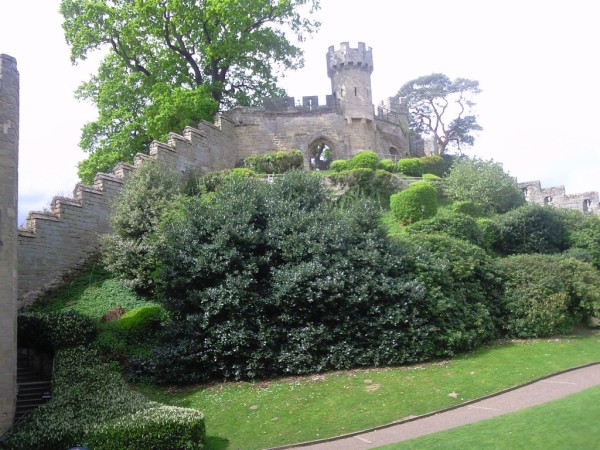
<point>536,62</point>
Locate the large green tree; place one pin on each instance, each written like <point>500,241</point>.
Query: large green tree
<point>441,108</point>
<point>172,63</point>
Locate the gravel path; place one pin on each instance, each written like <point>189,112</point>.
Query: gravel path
<point>531,394</point>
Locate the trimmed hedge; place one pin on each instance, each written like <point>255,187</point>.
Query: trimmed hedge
<point>388,165</point>
<point>364,160</point>
<point>459,226</point>
<point>417,167</point>
<point>92,406</point>
<point>275,162</point>
<point>339,165</point>
<point>142,320</point>
<point>55,330</point>
<point>417,202</point>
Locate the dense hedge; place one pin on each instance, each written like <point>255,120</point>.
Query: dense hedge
<point>459,226</point>
<point>55,330</point>
<point>92,406</point>
<point>364,160</point>
<point>131,249</point>
<point>463,287</point>
<point>531,229</point>
<point>266,279</point>
<point>546,295</point>
<point>275,162</point>
<point>416,167</point>
<point>417,202</point>
<point>377,185</point>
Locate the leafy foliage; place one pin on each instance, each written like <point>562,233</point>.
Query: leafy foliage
<point>462,290</point>
<point>584,233</point>
<point>275,162</point>
<point>531,229</point>
<point>485,184</point>
<point>364,160</point>
<point>140,321</point>
<point>387,165</point>
<point>92,405</point>
<point>130,251</point>
<point>417,202</point>
<point>441,107</point>
<point>546,295</point>
<point>411,167</point>
<point>339,165</point>
<point>55,330</point>
<point>262,278</point>
<point>172,64</point>
<point>377,185</point>
<point>459,226</point>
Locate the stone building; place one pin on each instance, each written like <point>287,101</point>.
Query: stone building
<point>9,143</point>
<point>587,202</point>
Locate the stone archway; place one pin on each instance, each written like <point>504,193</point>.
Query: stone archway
<point>320,154</point>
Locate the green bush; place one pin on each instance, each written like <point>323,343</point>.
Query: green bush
<point>92,406</point>
<point>485,184</point>
<point>411,167</point>
<point>377,185</point>
<point>417,202</point>
<point>387,165</point>
<point>584,233</point>
<point>212,180</point>
<point>261,281</point>
<point>531,229</point>
<point>156,428</point>
<point>142,320</point>
<point>364,160</point>
<point>55,330</point>
<point>462,284</point>
<point>275,162</point>
<point>546,295</point>
<point>339,165</point>
<point>489,229</point>
<point>129,251</point>
<point>434,165</point>
<point>430,176</point>
<point>467,207</point>
<point>459,226</point>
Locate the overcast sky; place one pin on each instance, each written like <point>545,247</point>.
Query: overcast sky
<point>536,62</point>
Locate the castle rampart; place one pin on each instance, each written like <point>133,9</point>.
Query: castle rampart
<point>9,147</point>
<point>556,196</point>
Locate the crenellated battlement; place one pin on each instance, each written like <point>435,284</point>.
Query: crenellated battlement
<point>346,56</point>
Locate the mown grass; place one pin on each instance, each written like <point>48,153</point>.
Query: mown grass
<point>570,422</point>
<point>267,414</point>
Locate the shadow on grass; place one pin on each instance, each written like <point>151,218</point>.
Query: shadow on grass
<point>216,443</point>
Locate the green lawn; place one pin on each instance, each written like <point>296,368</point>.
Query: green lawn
<point>567,423</point>
<point>267,414</point>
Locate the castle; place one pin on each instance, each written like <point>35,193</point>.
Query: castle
<point>56,242</point>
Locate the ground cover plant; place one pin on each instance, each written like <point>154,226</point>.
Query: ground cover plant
<point>270,413</point>
<point>92,406</point>
<point>570,422</point>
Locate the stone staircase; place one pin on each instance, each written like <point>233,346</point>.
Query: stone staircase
<point>33,388</point>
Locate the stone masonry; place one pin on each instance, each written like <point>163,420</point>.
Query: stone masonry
<point>9,143</point>
<point>588,202</point>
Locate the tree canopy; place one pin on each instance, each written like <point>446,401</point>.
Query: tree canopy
<point>172,63</point>
<point>442,108</point>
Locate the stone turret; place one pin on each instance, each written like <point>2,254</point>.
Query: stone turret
<point>350,72</point>
<point>9,144</point>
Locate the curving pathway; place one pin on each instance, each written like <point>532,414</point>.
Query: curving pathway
<point>530,394</point>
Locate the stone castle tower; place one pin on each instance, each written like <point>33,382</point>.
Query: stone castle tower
<point>350,72</point>
<point>9,143</point>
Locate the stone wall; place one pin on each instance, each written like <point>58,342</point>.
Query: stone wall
<point>556,196</point>
<point>9,145</point>
<point>56,242</point>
